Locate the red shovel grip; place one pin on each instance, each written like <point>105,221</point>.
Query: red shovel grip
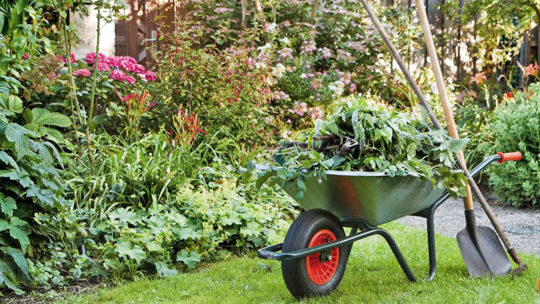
<point>509,156</point>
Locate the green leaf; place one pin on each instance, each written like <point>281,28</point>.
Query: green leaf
<point>18,258</point>
<point>189,258</point>
<point>7,204</point>
<point>3,225</point>
<point>164,271</point>
<point>16,134</point>
<point>44,117</point>
<point>251,229</point>
<point>8,160</point>
<point>12,103</point>
<point>189,233</point>
<point>127,249</point>
<point>20,235</point>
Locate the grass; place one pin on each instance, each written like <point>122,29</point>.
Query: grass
<point>372,276</point>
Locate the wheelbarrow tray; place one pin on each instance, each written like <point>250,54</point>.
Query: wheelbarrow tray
<point>374,197</point>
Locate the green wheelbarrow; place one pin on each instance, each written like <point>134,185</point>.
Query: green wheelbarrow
<point>315,251</point>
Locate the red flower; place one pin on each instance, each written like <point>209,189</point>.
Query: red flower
<point>25,56</point>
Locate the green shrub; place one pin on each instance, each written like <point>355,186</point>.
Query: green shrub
<point>30,189</point>
<point>227,89</point>
<point>515,126</point>
<point>152,205</point>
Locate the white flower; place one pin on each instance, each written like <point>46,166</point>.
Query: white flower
<point>279,70</point>
<point>270,27</point>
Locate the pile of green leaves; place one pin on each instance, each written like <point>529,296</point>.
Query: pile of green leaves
<point>361,137</point>
<point>515,126</point>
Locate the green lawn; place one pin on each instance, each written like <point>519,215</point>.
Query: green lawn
<point>372,276</point>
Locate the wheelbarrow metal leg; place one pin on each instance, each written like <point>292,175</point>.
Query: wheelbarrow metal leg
<point>431,246</point>
<point>397,253</point>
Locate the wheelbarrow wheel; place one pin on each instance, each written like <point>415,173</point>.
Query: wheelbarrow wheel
<point>319,273</point>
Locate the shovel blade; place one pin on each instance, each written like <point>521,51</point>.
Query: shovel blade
<point>482,252</point>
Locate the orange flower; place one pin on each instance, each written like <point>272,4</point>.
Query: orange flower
<point>531,70</point>
<point>478,78</point>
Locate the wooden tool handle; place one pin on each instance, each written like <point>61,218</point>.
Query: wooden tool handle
<point>448,112</point>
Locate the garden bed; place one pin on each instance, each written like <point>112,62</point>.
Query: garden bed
<point>371,277</point>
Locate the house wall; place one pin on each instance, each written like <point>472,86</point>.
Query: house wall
<point>86,28</point>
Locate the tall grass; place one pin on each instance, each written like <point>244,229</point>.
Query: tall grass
<point>138,175</point>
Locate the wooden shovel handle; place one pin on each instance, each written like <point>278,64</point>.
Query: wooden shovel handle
<point>448,112</point>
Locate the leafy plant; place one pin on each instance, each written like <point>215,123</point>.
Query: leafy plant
<point>515,126</point>
<point>360,137</point>
<point>30,184</point>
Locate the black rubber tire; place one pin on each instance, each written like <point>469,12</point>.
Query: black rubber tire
<point>298,237</point>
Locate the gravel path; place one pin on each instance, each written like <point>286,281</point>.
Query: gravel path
<point>522,226</point>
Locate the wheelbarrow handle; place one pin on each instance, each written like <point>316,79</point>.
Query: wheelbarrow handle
<point>509,156</point>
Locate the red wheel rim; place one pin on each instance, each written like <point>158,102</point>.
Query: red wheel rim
<point>321,272</point>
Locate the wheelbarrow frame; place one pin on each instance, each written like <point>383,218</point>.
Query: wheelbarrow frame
<point>361,229</point>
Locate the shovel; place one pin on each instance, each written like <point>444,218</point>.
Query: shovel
<point>477,251</point>
<point>480,247</point>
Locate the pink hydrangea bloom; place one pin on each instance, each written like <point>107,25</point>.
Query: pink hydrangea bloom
<point>90,58</point>
<point>102,66</point>
<point>138,69</point>
<point>82,73</point>
<point>118,75</point>
<point>129,79</point>
<point>64,59</point>
<point>114,61</point>
<point>150,76</point>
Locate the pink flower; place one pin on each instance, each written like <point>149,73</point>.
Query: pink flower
<point>64,59</point>
<point>285,53</point>
<point>326,53</point>
<point>280,95</point>
<point>352,88</point>
<point>114,61</point>
<point>138,69</point>
<point>316,112</point>
<point>129,79</point>
<point>25,56</point>
<point>128,63</point>
<point>150,76</point>
<point>82,73</point>
<point>308,47</point>
<point>102,66</point>
<point>299,108</point>
<point>90,58</point>
<point>221,10</point>
<point>118,75</point>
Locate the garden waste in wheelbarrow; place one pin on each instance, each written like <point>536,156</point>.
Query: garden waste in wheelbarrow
<point>315,251</point>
